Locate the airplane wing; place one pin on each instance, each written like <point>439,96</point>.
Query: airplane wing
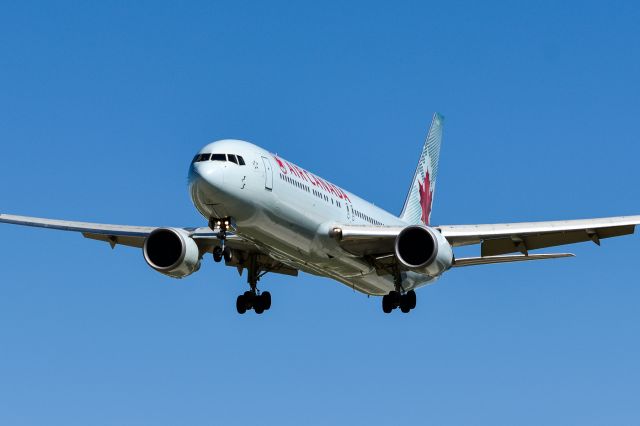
<point>377,242</point>
<point>134,236</point>
<point>498,239</point>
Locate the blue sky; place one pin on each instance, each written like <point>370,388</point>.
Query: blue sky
<point>103,105</point>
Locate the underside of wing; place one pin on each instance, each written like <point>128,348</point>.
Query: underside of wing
<point>364,241</point>
<point>498,239</point>
<point>489,260</point>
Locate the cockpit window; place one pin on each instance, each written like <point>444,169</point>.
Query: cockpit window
<point>237,159</point>
<point>201,157</point>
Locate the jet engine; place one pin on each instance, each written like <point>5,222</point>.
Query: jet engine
<point>423,250</point>
<point>172,252</point>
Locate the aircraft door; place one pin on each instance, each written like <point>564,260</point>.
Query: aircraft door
<point>268,174</point>
<point>350,215</point>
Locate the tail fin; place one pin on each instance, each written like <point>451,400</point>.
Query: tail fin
<point>417,207</point>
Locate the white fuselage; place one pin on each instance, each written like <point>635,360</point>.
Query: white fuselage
<point>288,212</point>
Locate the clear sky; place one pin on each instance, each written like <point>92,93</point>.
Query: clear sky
<point>102,106</point>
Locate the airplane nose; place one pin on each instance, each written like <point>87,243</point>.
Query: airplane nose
<point>204,174</point>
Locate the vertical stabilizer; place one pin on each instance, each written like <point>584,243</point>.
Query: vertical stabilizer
<point>417,206</point>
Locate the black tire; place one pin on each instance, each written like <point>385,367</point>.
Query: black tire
<point>228,254</point>
<point>412,299</point>
<point>405,303</point>
<point>241,305</point>
<point>266,300</point>
<point>394,299</point>
<point>249,299</point>
<point>386,304</point>
<point>258,306</point>
<point>217,254</point>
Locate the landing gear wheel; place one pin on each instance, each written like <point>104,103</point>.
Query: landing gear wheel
<point>258,305</point>
<point>395,297</point>
<point>411,299</point>
<point>266,300</point>
<point>241,304</point>
<point>217,254</point>
<point>386,304</point>
<point>228,254</point>
<point>405,307</point>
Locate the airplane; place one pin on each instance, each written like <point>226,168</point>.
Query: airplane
<point>267,215</point>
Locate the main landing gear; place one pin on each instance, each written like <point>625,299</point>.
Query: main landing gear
<point>254,299</point>
<point>406,301</point>
<point>259,302</point>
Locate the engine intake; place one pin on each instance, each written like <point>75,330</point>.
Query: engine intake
<point>172,252</point>
<point>424,250</point>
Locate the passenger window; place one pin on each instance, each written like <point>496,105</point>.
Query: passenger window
<point>240,160</point>
<point>218,157</point>
<point>232,158</point>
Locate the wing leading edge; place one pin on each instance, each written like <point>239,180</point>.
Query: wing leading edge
<point>127,235</point>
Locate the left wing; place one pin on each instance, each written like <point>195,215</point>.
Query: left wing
<point>377,242</point>
<point>489,260</point>
<point>497,239</point>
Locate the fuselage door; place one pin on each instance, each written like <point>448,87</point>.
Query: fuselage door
<point>268,174</point>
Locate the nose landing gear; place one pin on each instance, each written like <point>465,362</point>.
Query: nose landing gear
<point>222,251</point>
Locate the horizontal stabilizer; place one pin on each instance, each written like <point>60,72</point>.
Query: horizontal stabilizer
<point>488,260</point>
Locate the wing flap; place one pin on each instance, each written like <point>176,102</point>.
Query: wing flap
<point>488,260</point>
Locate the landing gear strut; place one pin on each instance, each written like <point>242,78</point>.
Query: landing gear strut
<point>406,301</point>
<point>253,299</point>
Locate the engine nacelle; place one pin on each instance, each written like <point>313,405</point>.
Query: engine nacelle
<point>172,252</point>
<point>424,250</point>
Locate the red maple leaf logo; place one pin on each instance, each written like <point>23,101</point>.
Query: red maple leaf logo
<point>426,198</point>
